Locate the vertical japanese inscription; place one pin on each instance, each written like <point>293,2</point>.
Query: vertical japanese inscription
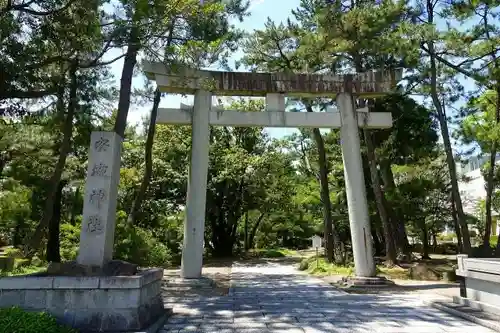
<point>94,224</point>
<point>97,197</point>
<point>99,170</point>
<point>102,144</point>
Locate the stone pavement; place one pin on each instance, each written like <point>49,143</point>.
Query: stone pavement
<point>273,297</point>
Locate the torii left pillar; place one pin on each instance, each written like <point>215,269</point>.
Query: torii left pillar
<point>194,223</point>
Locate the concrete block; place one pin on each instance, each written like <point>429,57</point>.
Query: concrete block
<point>63,316</point>
<point>151,275</point>
<point>59,299</point>
<point>146,314</point>
<point>69,282</point>
<point>120,282</point>
<point>27,282</point>
<point>10,298</point>
<point>150,291</point>
<point>36,299</point>
<point>87,299</point>
<point>151,311</point>
<point>89,320</point>
<point>120,298</point>
<point>156,306</point>
<point>120,320</point>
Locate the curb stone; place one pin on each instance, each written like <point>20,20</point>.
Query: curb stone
<point>485,323</point>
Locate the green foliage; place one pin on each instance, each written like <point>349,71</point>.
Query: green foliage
<point>15,207</point>
<point>303,265</point>
<point>138,245</point>
<point>319,266</point>
<point>25,270</point>
<point>448,238</point>
<point>16,320</point>
<point>272,253</point>
<point>70,237</point>
<point>13,252</point>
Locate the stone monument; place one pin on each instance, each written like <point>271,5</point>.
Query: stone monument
<point>101,192</point>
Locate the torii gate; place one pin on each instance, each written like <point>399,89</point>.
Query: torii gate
<point>275,87</point>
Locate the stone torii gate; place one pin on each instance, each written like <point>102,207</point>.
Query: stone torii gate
<point>275,87</point>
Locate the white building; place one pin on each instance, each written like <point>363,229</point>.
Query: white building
<point>471,184</point>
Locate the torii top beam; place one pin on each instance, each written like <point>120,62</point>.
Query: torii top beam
<point>184,80</point>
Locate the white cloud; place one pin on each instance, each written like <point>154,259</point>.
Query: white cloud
<point>254,3</point>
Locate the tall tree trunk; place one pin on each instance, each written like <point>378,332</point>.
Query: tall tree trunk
<point>395,217</point>
<point>74,207</point>
<point>246,232</point>
<point>497,116</point>
<point>126,82</point>
<point>253,232</point>
<point>456,225</point>
<point>325,196</point>
<point>17,239</point>
<point>489,193</point>
<point>434,240</point>
<point>53,241</point>
<point>333,245</point>
<point>390,249</point>
<point>425,240</point>
<point>67,132</point>
<point>443,122</point>
<point>377,244</point>
<point>148,161</point>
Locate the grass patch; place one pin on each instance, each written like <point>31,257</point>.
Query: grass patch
<point>272,253</point>
<point>23,270</point>
<point>20,321</point>
<point>398,273</point>
<point>320,267</point>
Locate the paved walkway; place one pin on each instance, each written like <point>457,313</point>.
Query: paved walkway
<point>277,298</point>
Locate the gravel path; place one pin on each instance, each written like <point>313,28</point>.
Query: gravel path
<point>275,297</point>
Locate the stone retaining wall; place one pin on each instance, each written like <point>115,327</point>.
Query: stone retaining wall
<point>105,304</point>
<point>482,282</point>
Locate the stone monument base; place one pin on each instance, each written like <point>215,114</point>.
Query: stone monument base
<point>91,303</point>
<point>177,286</point>
<point>366,282</point>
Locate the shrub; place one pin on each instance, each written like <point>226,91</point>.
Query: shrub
<point>271,253</point>
<point>70,239</point>
<point>138,245</point>
<point>447,238</point>
<point>13,252</point>
<point>494,240</point>
<point>16,320</point>
<point>133,244</point>
<point>304,265</point>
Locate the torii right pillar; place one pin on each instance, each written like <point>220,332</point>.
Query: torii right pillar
<point>355,188</point>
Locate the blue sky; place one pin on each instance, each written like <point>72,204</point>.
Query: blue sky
<point>260,10</point>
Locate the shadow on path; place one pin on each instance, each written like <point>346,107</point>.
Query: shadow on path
<point>269,296</point>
